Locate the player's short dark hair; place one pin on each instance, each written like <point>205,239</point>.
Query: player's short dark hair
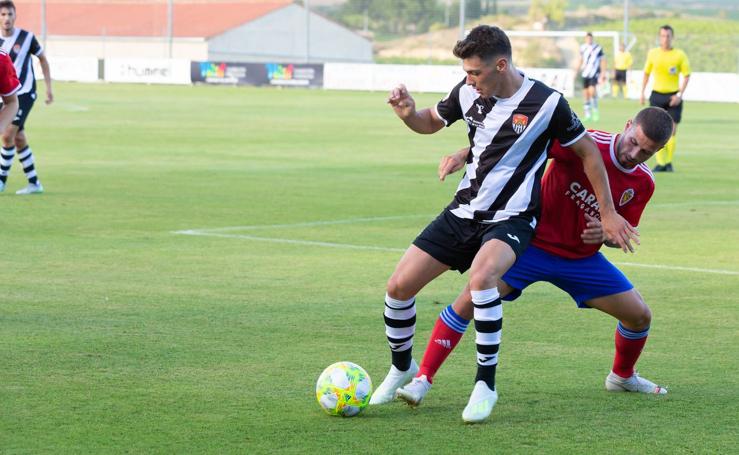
<point>7,4</point>
<point>656,123</point>
<point>590,34</point>
<point>668,28</point>
<point>485,42</point>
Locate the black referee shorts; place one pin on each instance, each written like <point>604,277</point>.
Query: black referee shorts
<point>455,241</point>
<point>619,75</point>
<point>663,100</point>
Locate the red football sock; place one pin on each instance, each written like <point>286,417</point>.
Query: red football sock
<point>627,353</point>
<point>442,342</point>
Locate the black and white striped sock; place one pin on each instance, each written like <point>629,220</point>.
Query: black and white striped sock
<point>400,326</point>
<point>25,156</point>
<point>488,325</point>
<point>6,160</point>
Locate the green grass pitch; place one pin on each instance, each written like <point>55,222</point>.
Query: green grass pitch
<point>120,335</point>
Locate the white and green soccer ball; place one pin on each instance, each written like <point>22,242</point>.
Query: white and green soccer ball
<point>343,389</point>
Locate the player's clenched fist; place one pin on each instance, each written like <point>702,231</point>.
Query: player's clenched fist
<point>401,101</point>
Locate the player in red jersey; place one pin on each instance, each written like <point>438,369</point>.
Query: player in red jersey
<point>9,86</point>
<point>565,247</point>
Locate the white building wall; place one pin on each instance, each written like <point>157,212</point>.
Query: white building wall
<point>280,37</point>
<point>102,47</point>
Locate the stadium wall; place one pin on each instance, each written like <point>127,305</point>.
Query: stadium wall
<point>717,87</point>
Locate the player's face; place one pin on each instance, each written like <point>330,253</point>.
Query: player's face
<point>481,75</point>
<point>665,38</point>
<point>7,19</point>
<point>635,146</point>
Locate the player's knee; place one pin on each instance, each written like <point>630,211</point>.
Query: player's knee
<point>642,318</point>
<point>483,279</point>
<point>20,140</point>
<point>398,289</point>
<point>9,138</point>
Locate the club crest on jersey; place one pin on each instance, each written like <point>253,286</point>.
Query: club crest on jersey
<point>626,197</point>
<point>520,122</point>
<point>17,48</point>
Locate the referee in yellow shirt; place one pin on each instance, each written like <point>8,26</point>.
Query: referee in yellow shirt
<point>622,63</point>
<point>667,92</point>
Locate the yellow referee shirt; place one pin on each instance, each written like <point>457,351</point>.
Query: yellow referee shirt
<point>623,60</point>
<point>667,67</point>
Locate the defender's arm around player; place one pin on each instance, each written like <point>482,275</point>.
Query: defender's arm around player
<point>490,222</point>
<point>566,255</point>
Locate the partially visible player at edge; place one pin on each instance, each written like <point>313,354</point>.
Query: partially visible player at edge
<point>667,63</point>
<point>564,251</point>
<point>512,122</point>
<point>20,45</point>
<point>9,86</point>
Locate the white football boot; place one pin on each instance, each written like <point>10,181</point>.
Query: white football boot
<point>615,383</point>
<point>481,403</point>
<point>414,392</point>
<point>31,188</point>
<point>395,379</point>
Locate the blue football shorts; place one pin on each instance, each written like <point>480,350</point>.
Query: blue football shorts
<point>584,279</point>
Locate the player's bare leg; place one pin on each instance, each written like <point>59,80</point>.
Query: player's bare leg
<point>634,318</point>
<point>414,271</point>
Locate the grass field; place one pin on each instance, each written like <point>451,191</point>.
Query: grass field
<point>119,334</point>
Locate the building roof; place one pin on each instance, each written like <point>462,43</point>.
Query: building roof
<point>191,18</point>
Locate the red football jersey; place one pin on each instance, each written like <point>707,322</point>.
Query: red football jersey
<point>567,195</point>
<point>9,82</point>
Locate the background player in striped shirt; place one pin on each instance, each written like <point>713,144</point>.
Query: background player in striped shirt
<point>667,63</point>
<point>511,123</point>
<point>565,248</point>
<point>592,64</point>
<point>20,45</point>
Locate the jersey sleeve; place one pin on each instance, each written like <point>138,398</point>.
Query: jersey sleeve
<point>684,65</point>
<point>35,48</point>
<point>632,212</point>
<point>567,127</point>
<point>650,63</point>
<point>9,83</point>
<point>449,109</point>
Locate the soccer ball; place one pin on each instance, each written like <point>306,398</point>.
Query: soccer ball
<point>343,389</point>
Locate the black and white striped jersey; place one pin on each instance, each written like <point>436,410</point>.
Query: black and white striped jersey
<point>20,46</point>
<point>509,139</point>
<point>591,54</point>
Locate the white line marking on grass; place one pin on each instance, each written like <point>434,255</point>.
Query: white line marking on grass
<point>290,241</point>
<point>219,232</point>
<point>308,223</point>
<point>697,204</point>
<point>675,267</point>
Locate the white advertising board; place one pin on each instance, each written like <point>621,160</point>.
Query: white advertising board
<point>76,69</point>
<point>148,71</point>
<point>423,78</point>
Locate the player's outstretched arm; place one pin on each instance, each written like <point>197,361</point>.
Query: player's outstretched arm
<point>615,228</point>
<point>424,122</point>
<point>452,163</point>
<point>44,62</point>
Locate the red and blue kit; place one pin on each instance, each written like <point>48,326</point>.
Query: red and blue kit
<point>567,196</point>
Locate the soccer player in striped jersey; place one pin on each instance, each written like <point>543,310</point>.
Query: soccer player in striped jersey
<point>564,250</point>
<point>20,45</point>
<point>592,64</point>
<point>512,121</point>
<point>667,64</point>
